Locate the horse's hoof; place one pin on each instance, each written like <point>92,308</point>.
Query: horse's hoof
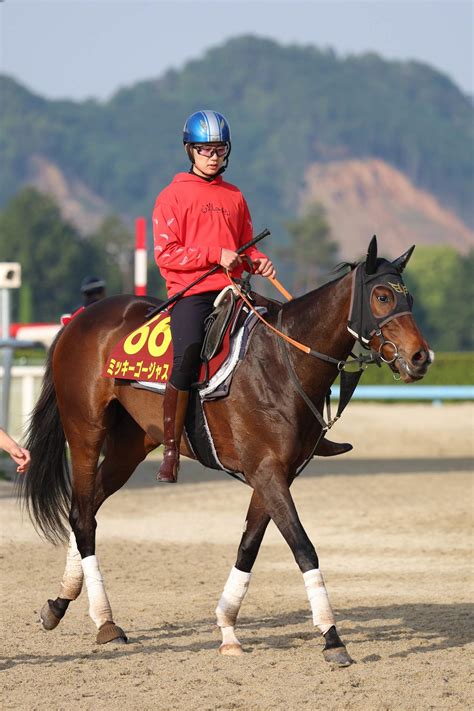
<point>110,632</point>
<point>231,650</point>
<point>337,655</point>
<point>47,617</point>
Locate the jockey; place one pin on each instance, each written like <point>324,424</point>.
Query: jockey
<point>199,221</point>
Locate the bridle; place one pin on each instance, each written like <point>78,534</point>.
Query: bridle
<point>362,324</point>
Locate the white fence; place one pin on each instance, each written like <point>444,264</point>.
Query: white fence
<point>25,389</point>
<point>26,385</point>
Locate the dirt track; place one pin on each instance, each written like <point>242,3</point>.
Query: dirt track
<point>395,548</point>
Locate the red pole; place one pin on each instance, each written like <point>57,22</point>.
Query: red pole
<point>140,256</point>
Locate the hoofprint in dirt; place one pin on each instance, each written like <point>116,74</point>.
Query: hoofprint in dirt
<point>395,551</point>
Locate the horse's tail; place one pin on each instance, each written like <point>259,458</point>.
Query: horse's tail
<point>45,489</point>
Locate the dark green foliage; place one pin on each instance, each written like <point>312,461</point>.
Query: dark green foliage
<point>448,369</point>
<point>442,283</point>
<point>288,106</point>
<point>53,256</point>
<point>311,253</point>
<point>114,241</point>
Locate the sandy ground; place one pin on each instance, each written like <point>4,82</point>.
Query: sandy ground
<point>391,524</point>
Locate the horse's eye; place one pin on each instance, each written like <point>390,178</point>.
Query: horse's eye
<point>383,298</point>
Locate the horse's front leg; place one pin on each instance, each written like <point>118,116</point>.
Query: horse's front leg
<point>271,486</point>
<point>237,584</point>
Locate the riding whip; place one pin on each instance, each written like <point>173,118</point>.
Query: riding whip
<point>174,298</point>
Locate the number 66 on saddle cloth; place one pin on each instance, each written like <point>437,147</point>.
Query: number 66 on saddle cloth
<point>146,354</point>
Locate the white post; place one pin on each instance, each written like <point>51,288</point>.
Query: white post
<point>10,278</point>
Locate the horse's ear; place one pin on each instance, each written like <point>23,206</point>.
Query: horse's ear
<point>402,261</point>
<point>371,261</point>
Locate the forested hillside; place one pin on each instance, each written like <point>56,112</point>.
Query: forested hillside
<point>289,108</point>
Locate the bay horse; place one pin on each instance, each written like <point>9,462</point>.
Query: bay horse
<point>275,393</point>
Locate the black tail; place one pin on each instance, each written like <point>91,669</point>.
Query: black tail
<point>45,488</point>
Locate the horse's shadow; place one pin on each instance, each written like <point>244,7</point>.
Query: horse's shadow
<point>422,627</point>
<point>427,627</point>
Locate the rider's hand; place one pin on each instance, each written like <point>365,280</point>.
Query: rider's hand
<point>229,259</point>
<point>264,267</point>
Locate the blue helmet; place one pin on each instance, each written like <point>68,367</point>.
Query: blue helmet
<point>206,127</point>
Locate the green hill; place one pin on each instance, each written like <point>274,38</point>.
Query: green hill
<point>289,106</point>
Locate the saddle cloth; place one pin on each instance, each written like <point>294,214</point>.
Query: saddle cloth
<point>145,358</point>
<point>197,430</point>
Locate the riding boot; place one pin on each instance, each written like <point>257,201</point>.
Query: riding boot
<point>326,448</point>
<point>174,414</point>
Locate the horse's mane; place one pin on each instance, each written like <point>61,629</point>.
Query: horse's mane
<point>350,266</point>
<point>345,267</point>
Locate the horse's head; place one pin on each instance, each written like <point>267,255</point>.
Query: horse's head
<point>381,315</point>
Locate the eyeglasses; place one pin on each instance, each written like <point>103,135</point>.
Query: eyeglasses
<point>208,150</point>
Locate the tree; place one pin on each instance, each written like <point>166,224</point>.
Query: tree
<point>115,240</point>
<point>50,251</point>
<point>312,253</point>
<point>442,284</point>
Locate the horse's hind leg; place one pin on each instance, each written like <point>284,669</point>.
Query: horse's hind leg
<point>125,448</point>
<point>237,584</point>
<point>85,452</point>
<point>71,585</point>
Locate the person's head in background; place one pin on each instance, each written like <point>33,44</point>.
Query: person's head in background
<point>92,290</point>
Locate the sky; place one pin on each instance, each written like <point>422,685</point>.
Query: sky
<point>78,49</point>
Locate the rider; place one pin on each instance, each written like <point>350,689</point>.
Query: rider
<point>199,221</point>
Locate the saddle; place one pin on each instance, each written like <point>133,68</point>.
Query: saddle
<point>146,354</point>
<point>224,319</point>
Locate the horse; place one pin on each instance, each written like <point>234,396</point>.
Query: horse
<point>266,428</point>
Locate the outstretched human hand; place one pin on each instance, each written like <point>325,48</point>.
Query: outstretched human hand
<point>20,455</point>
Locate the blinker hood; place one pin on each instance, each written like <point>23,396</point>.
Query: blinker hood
<point>362,323</point>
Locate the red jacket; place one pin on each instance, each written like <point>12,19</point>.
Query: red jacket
<point>193,220</point>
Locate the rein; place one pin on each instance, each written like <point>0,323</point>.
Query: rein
<point>349,379</point>
<point>373,357</point>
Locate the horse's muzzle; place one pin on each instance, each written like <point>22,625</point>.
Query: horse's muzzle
<point>414,367</point>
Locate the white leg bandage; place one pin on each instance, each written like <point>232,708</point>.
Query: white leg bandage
<point>71,584</point>
<point>99,606</point>
<point>234,592</point>
<point>228,637</point>
<point>323,616</point>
